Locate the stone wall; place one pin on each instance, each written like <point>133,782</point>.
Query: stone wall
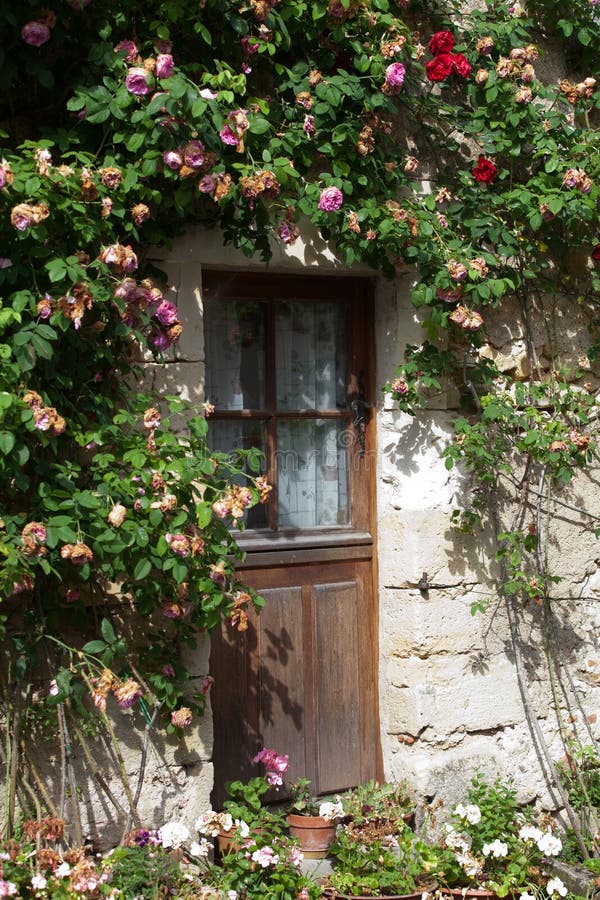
<point>450,700</point>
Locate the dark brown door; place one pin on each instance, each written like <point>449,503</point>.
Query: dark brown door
<point>288,367</point>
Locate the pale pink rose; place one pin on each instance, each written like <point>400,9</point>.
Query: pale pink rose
<point>136,82</point>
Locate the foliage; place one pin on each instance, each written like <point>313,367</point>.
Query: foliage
<point>383,802</point>
<point>375,860</point>
<point>492,843</point>
<point>266,865</point>
<point>253,117</point>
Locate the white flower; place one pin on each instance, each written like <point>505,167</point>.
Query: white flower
<point>173,834</point>
<point>556,886</point>
<point>455,840</point>
<point>329,810</point>
<point>526,896</point>
<point>232,895</point>
<point>472,814</point>
<point>496,849</point>
<point>530,833</point>
<point>549,845</point>
<point>201,848</point>
<point>460,811</point>
<point>468,863</point>
<point>63,871</point>
<point>242,827</point>
<point>38,882</point>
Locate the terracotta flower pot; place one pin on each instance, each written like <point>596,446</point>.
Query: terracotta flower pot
<point>314,833</point>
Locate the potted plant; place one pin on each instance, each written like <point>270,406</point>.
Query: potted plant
<point>494,847</point>
<point>380,858</point>
<point>312,820</point>
<point>244,815</point>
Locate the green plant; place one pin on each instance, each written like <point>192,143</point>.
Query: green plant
<point>267,865</point>
<point>376,858</point>
<point>491,842</point>
<point>384,803</point>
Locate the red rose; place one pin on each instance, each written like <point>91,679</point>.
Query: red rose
<point>485,170</point>
<point>440,68</point>
<point>596,253</point>
<point>441,42</point>
<point>462,66</point>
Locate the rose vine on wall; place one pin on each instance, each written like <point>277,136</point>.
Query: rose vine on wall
<point>416,136</point>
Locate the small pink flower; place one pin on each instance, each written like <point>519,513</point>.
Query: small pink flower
<point>35,33</point>
<point>193,154</point>
<point>265,857</point>
<point>168,671</point>
<point>164,65</point>
<point>331,199</point>
<point>182,718</point>
<point>136,82</point>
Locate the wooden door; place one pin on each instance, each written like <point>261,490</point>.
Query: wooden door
<point>289,363</point>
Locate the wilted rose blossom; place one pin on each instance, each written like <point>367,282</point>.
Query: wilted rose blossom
<point>35,33</point>
<point>166,313</point>
<point>193,154</point>
<point>127,693</point>
<point>128,48</point>
<point>111,177</point>
<point>164,65</point>
<point>140,213</point>
<point>78,553</point>
<point>411,165</point>
<point>485,45</point>
<point>151,418</point>
<point>481,76</point>
<point>399,386</point>
<point>523,95</point>
<point>179,544</point>
<point>206,684</point>
<point>107,206</point>
<point>117,515</point>
<point>26,215</point>
<point>217,572</point>
<point>182,718</point>
<point>45,307</point>
<point>456,270</point>
<point>136,82</point>
<point>308,126</point>
<point>331,199</point>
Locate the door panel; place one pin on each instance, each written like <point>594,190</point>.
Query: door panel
<point>308,677</point>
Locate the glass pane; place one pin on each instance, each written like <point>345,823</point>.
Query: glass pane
<point>234,333</point>
<point>228,437</point>
<point>312,467</point>
<point>311,356</point>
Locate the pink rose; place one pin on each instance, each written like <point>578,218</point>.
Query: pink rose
<point>331,199</point>
<point>164,65</point>
<point>136,82</point>
<point>166,313</point>
<point>394,75</point>
<point>35,33</point>
<point>173,159</point>
<point>129,48</point>
<point>227,136</point>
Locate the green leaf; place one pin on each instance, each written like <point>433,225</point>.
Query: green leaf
<point>142,569</point>
<point>7,442</point>
<point>259,126</point>
<point>94,647</point>
<point>108,632</point>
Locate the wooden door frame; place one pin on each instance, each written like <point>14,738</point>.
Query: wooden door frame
<point>298,552</point>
